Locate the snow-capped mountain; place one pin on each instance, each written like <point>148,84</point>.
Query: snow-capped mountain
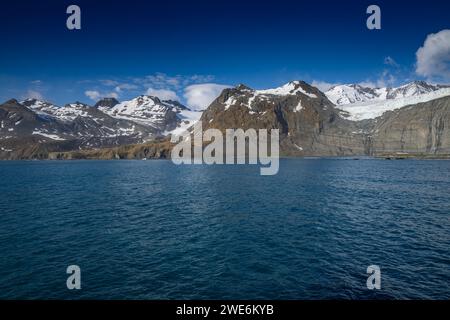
<point>143,116</point>
<point>376,108</point>
<point>308,122</point>
<point>76,121</point>
<point>351,93</point>
<point>146,110</point>
<point>290,88</point>
<point>361,103</point>
<point>411,89</point>
<point>355,93</point>
<point>80,126</point>
<point>162,115</point>
<point>296,90</point>
<point>106,103</point>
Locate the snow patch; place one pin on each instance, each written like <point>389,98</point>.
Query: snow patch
<point>230,101</point>
<point>188,118</point>
<point>291,88</point>
<point>48,135</point>
<point>299,106</point>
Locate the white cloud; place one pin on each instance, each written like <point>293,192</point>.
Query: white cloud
<point>200,96</point>
<point>323,85</point>
<point>163,94</point>
<point>387,79</point>
<point>95,95</point>
<point>163,81</point>
<point>109,82</point>
<point>433,58</point>
<point>33,94</point>
<point>157,84</point>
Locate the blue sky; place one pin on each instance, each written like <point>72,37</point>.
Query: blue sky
<point>126,48</point>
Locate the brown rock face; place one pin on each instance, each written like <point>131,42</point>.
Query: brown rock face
<point>308,122</point>
<point>423,128</point>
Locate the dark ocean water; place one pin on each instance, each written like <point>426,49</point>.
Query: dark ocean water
<point>153,230</point>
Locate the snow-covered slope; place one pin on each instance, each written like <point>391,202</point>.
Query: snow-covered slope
<point>368,103</point>
<point>411,89</point>
<point>42,108</point>
<point>165,116</point>
<point>187,119</point>
<point>81,121</point>
<point>67,113</point>
<point>146,110</point>
<point>375,108</point>
<point>351,93</point>
<point>111,117</point>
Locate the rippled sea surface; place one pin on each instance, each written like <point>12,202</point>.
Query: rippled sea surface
<point>153,230</point>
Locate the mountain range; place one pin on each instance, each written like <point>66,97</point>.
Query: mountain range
<point>356,93</point>
<point>346,120</point>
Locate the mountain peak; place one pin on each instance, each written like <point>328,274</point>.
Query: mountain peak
<point>175,104</point>
<point>292,88</point>
<point>106,103</point>
<point>145,99</point>
<point>77,104</point>
<point>11,101</point>
<point>243,87</point>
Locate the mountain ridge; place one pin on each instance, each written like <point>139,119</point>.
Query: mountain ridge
<point>344,94</point>
<point>310,123</point>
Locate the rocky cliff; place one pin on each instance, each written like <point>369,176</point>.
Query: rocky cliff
<point>423,128</point>
<point>309,124</point>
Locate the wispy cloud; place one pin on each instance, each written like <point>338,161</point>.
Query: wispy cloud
<point>158,84</point>
<point>96,95</point>
<point>33,94</point>
<point>163,94</point>
<point>125,87</point>
<point>386,78</point>
<point>390,62</point>
<point>161,80</point>
<point>323,85</point>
